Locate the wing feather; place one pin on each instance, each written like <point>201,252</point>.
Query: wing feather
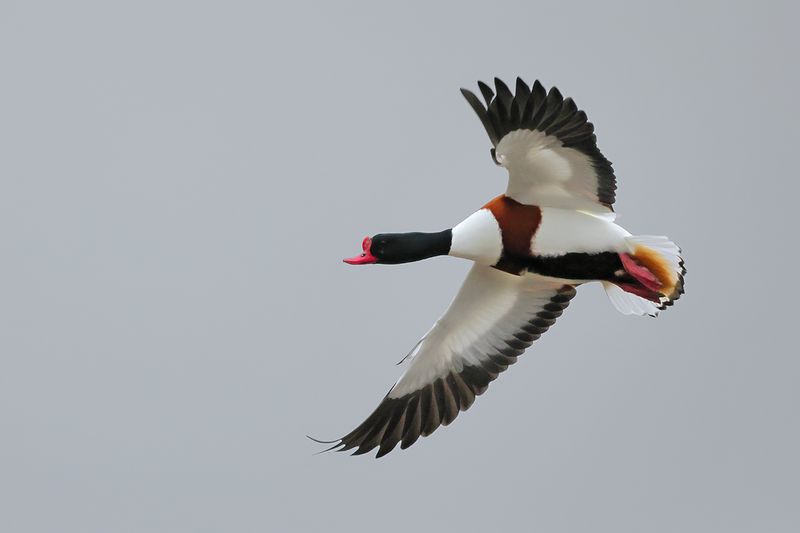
<point>547,145</point>
<point>492,320</point>
<point>486,92</point>
<point>521,97</point>
<point>503,95</point>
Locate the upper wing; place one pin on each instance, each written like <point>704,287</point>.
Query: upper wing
<point>492,320</point>
<point>547,145</point>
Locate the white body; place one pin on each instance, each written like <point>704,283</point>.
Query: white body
<point>566,230</point>
<point>478,237</point>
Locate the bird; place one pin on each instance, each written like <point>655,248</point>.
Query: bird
<point>552,231</point>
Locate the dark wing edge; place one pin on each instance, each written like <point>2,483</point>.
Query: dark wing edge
<point>679,287</point>
<point>536,109</point>
<point>403,420</point>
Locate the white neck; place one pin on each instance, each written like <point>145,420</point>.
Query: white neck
<point>478,238</point>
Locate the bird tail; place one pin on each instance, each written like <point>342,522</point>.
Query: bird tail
<point>654,276</point>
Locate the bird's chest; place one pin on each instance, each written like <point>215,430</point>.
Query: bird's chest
<point>499,234</point>
<point>517,222</point>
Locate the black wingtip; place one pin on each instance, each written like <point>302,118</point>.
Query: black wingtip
<point>336,444</point>
<point>382,452</point>
<point>481,111</point>
<point>487,92</point>
<point>522,90</point>
<point>322,441</point>
<point>472,99</point>
<point>501,86</point>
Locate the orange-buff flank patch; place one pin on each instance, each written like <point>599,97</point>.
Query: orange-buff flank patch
<point>655,263</point>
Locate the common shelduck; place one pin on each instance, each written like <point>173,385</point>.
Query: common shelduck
<point>551,231</point>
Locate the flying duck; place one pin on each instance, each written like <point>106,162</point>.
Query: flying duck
<point>552,231</point>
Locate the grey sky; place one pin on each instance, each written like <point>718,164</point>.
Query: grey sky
<point>180,180</point>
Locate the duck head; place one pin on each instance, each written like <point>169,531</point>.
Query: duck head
<point>396,248</point>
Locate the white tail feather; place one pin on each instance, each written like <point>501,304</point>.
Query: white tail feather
<point>661,244</point>
<point>629,304</point>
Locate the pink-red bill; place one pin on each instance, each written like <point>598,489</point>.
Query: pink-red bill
<point>366,256</point>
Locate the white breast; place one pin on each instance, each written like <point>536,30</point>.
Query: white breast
<point>565,230</point>
<point>478,238</point>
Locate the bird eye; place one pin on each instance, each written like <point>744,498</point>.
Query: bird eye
<point>494,156</point>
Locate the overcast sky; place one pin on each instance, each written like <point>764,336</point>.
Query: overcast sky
<point>179,182</point>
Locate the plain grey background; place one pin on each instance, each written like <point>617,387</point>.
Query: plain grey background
<point>180,181</point>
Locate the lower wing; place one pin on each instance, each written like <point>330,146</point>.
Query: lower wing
<point>494,317</point>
